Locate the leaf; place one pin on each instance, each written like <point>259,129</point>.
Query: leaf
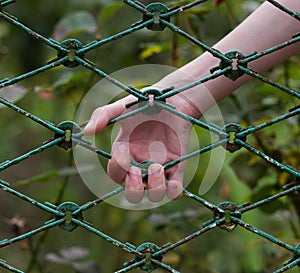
<point>74,253</point>
<point>46,176</point>
<point>89,266</point>
<point>75,21</point>
<point>108,12</point>
<point>69,77</point>
<point>71,256</point>
<point>199,11</point>
<point>150,50</point>
<point>248,170</point>
<point>53,258</point>
<point>12,93</point>
<point>263,193</point>
<point>250,6</point>
<point>219,2</point>
<point>158,219</point>
<point>4,30</point>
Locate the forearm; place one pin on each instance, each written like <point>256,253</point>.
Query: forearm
<point>263,29</point>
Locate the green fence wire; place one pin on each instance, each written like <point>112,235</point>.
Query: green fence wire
<point>227,215</point>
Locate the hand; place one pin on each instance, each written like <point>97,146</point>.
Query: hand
<point>160,138</point>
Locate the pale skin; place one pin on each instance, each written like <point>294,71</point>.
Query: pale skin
<point>143,138</point>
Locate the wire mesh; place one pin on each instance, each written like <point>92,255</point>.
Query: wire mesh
<point>227,215</point>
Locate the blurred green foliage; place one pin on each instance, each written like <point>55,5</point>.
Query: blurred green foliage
<point>51,176</point>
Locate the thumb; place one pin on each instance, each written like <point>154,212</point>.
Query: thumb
<point>175,177</point>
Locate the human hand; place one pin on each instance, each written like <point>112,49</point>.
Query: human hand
<point>158,139</point>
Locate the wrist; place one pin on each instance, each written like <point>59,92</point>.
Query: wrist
<point>181,102</point>
<point>185,105</point>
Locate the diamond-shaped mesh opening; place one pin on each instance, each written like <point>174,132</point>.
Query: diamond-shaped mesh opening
<point>209,215</point>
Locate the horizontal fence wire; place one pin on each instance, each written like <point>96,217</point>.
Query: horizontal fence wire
<point>227,215</point>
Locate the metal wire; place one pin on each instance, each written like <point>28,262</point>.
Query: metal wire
<point>227,215</point>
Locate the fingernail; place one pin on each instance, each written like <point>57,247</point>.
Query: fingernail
<point>155,168</point>
<point>134,196</point>
<point>135,171</point>
<point>174,190</point>
<point>157,194</point>
<point>89,126</point>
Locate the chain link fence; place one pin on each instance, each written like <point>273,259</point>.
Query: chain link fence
<point>228,215</point>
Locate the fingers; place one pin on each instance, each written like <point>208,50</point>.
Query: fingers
<point>156,182</point>
<point>102,115</point>
<point>134,187</point>
<point>175,175</point>
<point>118,165</point>
<point>119,168</point>
<point>98,121</point>
<point>174,189</point>
<point>157,188</point>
